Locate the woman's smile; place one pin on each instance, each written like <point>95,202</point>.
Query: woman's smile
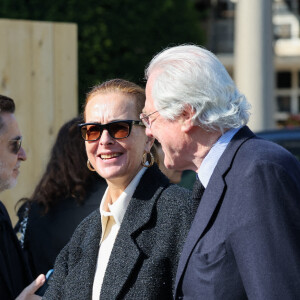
<point>110,155</point>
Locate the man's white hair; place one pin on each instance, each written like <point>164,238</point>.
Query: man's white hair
<point>191,75</point>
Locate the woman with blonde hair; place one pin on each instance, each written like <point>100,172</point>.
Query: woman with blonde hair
<point>129,248</point>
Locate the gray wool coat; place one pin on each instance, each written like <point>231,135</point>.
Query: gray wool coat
<point>145,255</point>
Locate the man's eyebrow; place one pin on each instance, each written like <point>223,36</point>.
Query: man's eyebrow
<point>16,138</point>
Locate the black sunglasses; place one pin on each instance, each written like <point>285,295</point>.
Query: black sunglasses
<point>15,145</point>
<point>116,129</point>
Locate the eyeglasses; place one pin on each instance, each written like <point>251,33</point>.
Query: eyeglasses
<point>116,129</point>
<point>145,118</point>
<point>15,145</point>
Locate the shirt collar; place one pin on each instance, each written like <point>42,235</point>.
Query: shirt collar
<point>118,208</point>
<point>211,159</point>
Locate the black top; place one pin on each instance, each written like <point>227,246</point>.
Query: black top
<point>14,272</point>
<point>143,261</point>
<point>46,235</point>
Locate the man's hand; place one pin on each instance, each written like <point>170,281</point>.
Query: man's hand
<point>28,292</point>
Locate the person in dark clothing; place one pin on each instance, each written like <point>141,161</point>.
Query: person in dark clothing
<point>15,274</point>
<point>14,271</point>
<point>130,246</point>
<point>65,195</point>
<point>244,240</point>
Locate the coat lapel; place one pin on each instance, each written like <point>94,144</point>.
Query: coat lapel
<point>126,252</point>
<point>210,199</point>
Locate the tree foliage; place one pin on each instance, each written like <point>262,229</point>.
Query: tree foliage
<point>116,38</point>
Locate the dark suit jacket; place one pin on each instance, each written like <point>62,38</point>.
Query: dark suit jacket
<point>245,239</point>
<point>14,271</point>
<point>144,258</point>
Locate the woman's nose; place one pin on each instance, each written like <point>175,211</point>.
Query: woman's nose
<point>105,138</point>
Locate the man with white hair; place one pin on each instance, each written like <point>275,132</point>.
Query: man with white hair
<point>244,242</point>
<point>14,272</point>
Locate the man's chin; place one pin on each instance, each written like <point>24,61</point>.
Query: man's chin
<point>13,183</point>
<point>7,185</point>
<point>170,165</point>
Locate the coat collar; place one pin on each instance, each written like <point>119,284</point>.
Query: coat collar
<point>210,199</point>
<point>126,251</point>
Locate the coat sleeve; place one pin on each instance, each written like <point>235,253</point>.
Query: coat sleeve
<point>56,282</point>
<point>266,243</point>
<point>76,261</point>
<point>179,210</point>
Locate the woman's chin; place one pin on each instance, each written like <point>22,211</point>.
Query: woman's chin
<point>111,173</point>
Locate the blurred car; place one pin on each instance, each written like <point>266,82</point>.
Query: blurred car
<point>287,138</point>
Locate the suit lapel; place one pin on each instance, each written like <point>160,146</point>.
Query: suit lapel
<point>210,199</point>
<point>206,208</point>
<point>126,252</point>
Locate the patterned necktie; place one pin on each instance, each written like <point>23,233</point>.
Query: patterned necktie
<point>198,189</point>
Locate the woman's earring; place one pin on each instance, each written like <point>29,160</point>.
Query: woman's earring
<point>145,162</point>
<point>90,167</point>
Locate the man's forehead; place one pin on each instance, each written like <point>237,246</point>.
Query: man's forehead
<point>9,125</point>
<point>146,107</point>
<point>149,105</point>
<point>8,118</point>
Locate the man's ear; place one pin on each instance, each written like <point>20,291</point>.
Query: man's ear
<point>187,121</point>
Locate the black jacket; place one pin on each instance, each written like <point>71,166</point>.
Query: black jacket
<point>144,258</point>
<point>14,271</point>
<point>47,234</point>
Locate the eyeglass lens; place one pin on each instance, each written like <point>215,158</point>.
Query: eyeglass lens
<point>117,130</point>
<point>145,120</point>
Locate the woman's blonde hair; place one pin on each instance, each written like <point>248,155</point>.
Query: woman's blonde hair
<point>120,86</point>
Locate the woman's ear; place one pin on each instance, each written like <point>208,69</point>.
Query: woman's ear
<point>186,118</point>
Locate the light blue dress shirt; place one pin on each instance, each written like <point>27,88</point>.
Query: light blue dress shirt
<point>211,159</point>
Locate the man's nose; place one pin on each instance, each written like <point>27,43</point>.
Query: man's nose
<point>22,154</point>
<point>149,133</point>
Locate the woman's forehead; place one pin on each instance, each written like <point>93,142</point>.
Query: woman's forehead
<point>111,106</point>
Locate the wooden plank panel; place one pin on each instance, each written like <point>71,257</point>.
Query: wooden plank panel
<point>38,69</point>
<point>43,96</point>
<point>66,85</point>
<point>16,60</point>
